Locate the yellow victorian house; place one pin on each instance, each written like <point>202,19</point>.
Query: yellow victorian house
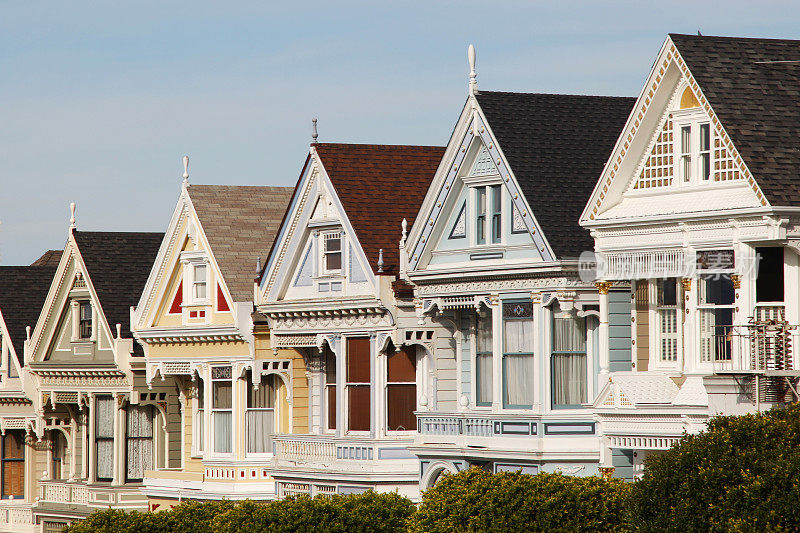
<point>195,322</point>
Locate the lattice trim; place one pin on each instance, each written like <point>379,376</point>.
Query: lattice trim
<point>659,166</point>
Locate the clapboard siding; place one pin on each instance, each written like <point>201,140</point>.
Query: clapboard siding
<point>619,330</point>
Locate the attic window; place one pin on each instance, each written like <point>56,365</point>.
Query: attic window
<point>85,320</point>
<point>332,252</point>
<point>200,281</point>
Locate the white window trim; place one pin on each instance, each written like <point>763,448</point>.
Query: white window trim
<point>655,362</point>
<point>323,270</point>
<point>592,323</point>
<point>693,118</point>
<point>210,410</point>
<point>274,409</point>
<point>190,260</point>
<point>75,315</point>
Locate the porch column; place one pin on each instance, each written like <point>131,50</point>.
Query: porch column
<point>340,381</point>
<point>117,447</point>
<point>373,385</point>
<point>92,477</point>
<point>73,446</point>
<point>602,288</point>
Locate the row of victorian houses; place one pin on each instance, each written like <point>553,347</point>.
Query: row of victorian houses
<point>406,311</point>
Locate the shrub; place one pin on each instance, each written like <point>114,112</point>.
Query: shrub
<point>477,501</point>
<point>742,474</point>
<point>188,517</point>
<point>370,511</point>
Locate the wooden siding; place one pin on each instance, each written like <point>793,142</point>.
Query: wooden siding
<point>619,330</point>
<point>642,333</point>
<point>446,371</point>
<point>464,320</point>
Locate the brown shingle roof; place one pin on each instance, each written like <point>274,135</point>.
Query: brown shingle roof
<point>754,87</point>
<point>379,186</point>
<point>50,258</point>
<point>240,223</point>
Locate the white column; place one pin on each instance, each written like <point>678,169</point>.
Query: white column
<point>73,447</point>
<point>340,388</point>
<point>497,357</point>
<point>373,385</point>
<point>117,447</point>
<point>92,452</point>
<point>604,348</point>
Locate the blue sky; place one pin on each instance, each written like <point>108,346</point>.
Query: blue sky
<point>101,99</point>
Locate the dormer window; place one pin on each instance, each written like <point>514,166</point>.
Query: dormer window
<point>199,282</point>
<point>85,320</point>
<point>332,252</point>
<point>489,210</point>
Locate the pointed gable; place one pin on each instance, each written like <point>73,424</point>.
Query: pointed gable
<point>557,146</point>
<point>379,186</point>
<point>240,224</point>
<point>23,290</point>
<point>118,264</point>
<point>752,86</point>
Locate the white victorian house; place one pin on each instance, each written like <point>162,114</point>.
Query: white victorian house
<point>698,209</point>
<point>493,258</point>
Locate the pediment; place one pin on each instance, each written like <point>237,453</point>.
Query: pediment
<point>657,166</point>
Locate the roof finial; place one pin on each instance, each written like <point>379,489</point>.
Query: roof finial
<point>405,229</point>
<point>186,170</point>
<point>698,33</point>
<point>314,134</point>
<point>473,83</point>
<point>258,265</point>
<point>72,216</point>
<point>380,260</point>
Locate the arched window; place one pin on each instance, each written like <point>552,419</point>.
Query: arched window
<point>260,416</point>
<point>401,389</point>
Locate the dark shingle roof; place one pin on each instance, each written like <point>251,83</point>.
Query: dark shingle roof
<point>557,146</point>
<point>118,264</point>
<point>49,258</point>
<point>379,186</point>
<point>240,223</point>
<point>23,290</point>
<point>753,85</point>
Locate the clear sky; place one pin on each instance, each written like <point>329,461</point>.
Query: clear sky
<point>101,99</point>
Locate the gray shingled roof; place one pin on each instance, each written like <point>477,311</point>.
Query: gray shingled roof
<point>557,146</point>
<point>240,223</point>
<point>23,290</point>
<point>118,264</point>
<point>753,85</point>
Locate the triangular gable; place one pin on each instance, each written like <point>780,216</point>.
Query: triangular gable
<point>166,301</point>
<point>637,162</point>
<point>472,152</point>
<point>315,219</point>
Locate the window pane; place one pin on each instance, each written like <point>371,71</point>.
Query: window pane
<point>264,396</point>
<point>330,365</point>
<point>331,406</point>
<point>569,334</point>
<point>705,141</point>
<point>717,290</point>
<point>481,201</point>
<point>139,445</point>
<point>260,427</point>
<point>705,160</point>
<point>569,379</point>
<point>14,445</point>
<point>484,333</point>
<point>333,261</point>
<point>200,273</point>
<point>769,282</point>
<point>519,380</point>
<point>686,137</point>
<point>359,404</point>
<point>484,379</point>
<point>333,242</point>
<point>518,336</point>
<point>222,431</point>
<point>105,455</point>
<point>104,417</point>
<point>222,395</point>
<point>715,334</point>
<point>358,360</point>
<point>402,366</point>
<point>140,420</point>
<point>667,292</point>
<point>668,333</point>
<point>401,401</point>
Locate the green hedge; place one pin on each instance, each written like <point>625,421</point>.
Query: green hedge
<point>477,501</point>
<point>742,474</point>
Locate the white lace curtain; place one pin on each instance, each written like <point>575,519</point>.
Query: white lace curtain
<point>139,440</point>
<point>569,360</point>
<point>260,416</point>
<point>518,362</point>
<point>484,365</point>
<point>104,436</point>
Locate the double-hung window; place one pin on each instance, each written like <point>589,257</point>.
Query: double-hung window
<point>483,358</point>
<point>13,464</point>
<point>139,441</point>
<point>716,303</point>
<point>667,320</point>
<point>704,152</point>
<point>332,252</point>
<point>694,150</point>
<point>85,320</point>
<point>518,359</point>
<point>358,384</point>
<point>104,437</point>
<point>686,153</point>
<point>330,388</point>
<point>260,414</point>
<point>199,283</point>
<point>568,366</point>
<point>488,214</point>
<point>401,389</point>
<point>222,408</point>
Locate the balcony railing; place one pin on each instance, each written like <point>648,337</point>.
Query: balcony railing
<point>100,496</point>
<point>16,517</point>
<point>322,449</point>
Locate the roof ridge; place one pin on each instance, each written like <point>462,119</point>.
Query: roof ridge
<point>564,95</point>
<point>370,145</point>
<point>734,38</point>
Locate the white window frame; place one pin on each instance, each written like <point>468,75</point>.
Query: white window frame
<point>419,361</point>
<point>492,192</point>
<point>693,119</point>
<point>250,382</point>
<point>209,402</point>
<point>324,236</point>
<point>474,354</point>
<point>654,313</point>
<point>191,260</point>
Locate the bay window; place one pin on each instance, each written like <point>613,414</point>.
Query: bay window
<point>483,359</point>
<point>568,360</point>
<point>222,408</point>
<point>260,417</point>
<point>139,441</point>
<point>12,462</point>
<point>518,357</point>
<point>104,437</point>
<point>401,389</point>
<point>358,384</point>
<point>330,387</point>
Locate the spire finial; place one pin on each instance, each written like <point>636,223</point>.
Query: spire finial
<point>380,260</point>
<point>473,82</point>
<point>186,170</point>
<point>72,216</point>
<point>258,265</point>
<point>314,134</point>
<point>405,229</point>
